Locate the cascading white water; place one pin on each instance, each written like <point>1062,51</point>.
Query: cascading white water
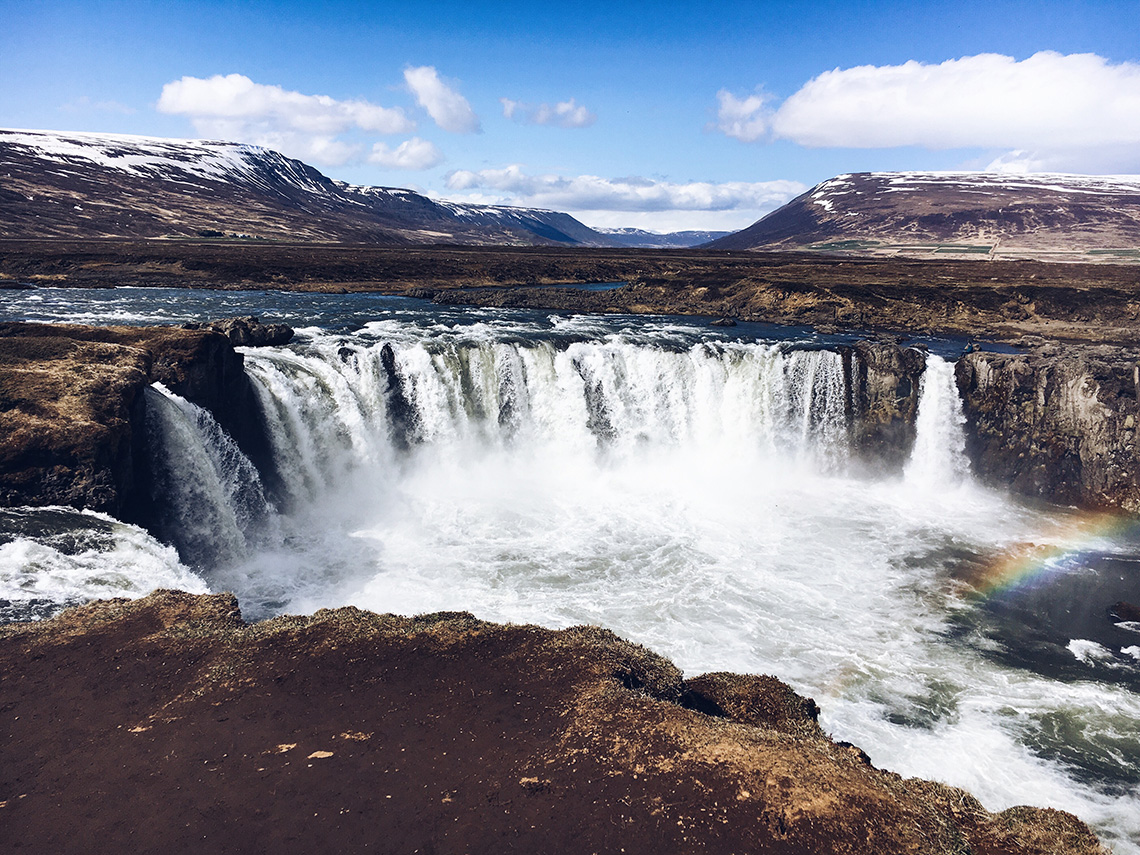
<point>339,407</point>
<point>939,455</point>
<point>211,494</point>
<point>690,492</point>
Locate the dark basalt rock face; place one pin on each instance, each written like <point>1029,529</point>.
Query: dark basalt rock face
<point>884,383</point>
<point>167,723</point>
<point>1057,423</point>
<point>248,331</point>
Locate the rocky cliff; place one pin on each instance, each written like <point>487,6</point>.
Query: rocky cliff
<point>885,380</point>
<point>71,408</point>
<point>1056,422</point>
<point>167,724</point>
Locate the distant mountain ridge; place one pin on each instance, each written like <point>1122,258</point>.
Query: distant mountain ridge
<point>654,240</point>
<point>75,185</point>
<point>963,214</point>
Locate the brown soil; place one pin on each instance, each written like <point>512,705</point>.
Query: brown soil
<point>167,724</point>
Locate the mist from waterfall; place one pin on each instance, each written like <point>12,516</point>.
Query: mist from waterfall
<point>697,492</point>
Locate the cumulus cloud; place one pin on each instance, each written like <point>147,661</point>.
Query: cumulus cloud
<point>1048,102</point>
<point>593,193</point>
<point>233,107</point>
<point>447,108</point>
<point>411,154</point>
<point>235,96</point>
<point>564,114</point>
<point>744,119</point>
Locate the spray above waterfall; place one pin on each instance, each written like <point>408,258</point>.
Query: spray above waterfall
<point>704,493</point>
<point>347,417</point>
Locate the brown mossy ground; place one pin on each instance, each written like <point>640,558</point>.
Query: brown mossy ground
<point>166,724</point>
<point>65,419</point>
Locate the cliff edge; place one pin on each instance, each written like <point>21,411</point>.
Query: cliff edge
<point>166,723</point>
<point>71,407</point>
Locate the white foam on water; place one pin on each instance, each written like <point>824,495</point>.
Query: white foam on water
<point>119,560</point>
<point>695,498</point>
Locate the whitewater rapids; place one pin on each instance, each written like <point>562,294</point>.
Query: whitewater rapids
<point>694,492</point>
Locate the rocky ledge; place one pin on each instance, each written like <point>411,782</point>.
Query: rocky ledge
<point>71,407</point>
<point>166,724</point>
<point>1057,422</point>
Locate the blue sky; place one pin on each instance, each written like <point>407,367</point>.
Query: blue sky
<point>658,115</point>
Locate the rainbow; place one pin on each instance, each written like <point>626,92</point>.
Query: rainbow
<point>1067,542</point>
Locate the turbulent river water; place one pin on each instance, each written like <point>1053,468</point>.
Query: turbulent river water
<point>690,488</point>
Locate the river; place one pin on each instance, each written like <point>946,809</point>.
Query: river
<point>691,488</point>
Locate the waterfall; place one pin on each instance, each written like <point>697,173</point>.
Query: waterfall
<point>347,417</point>
<point>939,455</point>
<point>693,493</point>
<point>209,495</point>
<point>340,410</point>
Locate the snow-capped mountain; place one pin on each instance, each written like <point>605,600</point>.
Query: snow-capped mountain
<point>101,185</point>
<point>655,240</point>
<point>82,185</point>
<point>979,214</point>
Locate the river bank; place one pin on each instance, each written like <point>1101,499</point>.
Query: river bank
<point>166,723</point>
<point>1097,303</point>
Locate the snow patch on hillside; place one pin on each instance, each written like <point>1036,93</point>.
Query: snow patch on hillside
<point>990,181</point>
<point>151,157</point>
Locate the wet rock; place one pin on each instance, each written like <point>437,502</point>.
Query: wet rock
<point>722,322</point>
<point>248,331</point>
<point>1057,422</point>
<point>401,413</point>
<point>348,730</point>
<point>884,382</point>
<point>1124,612</point>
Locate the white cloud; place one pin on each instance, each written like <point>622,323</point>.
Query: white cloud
<point>447,107</point>
<point>235,96</point>
<point>1018,162</point>
<point>1048,103</point>
<point>564,114</point>
<point>742,118</point>
<point>593,193</point>
<point>233,107</point>
<point>410,154</point>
